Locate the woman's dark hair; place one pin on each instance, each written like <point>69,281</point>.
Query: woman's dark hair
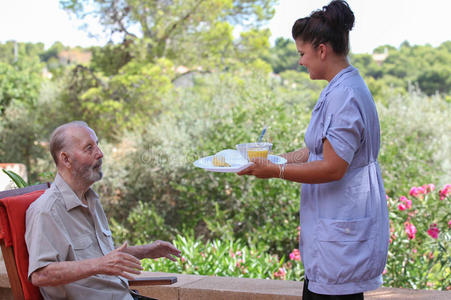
<point>331,24</point>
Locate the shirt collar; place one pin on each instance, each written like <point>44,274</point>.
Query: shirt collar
<point>340,77</point>
<point>70,199</point>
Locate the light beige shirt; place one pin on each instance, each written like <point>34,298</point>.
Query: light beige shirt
<point>59,227</point>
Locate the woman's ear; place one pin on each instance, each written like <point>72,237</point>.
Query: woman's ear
<point>322,48</point>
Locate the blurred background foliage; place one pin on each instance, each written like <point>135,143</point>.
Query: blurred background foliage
<point>176,84</point>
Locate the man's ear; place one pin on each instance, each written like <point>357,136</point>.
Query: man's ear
<point>64,159</point>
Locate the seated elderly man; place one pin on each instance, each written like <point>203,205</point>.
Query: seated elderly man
<point>71,250</point>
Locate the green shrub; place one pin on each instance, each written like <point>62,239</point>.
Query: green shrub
<point>225,258</point>
<point>222,110</point>
<point>415,147</point>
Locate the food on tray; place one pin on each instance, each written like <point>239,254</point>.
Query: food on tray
<point>219,161</point>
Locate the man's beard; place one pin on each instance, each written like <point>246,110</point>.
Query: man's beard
<point>89,174</point>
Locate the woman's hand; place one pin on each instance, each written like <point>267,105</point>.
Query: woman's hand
<point>262,168</point>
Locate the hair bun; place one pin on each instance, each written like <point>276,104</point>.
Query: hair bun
<point>339,15</point>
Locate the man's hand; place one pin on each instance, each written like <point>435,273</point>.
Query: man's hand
<point>120,263</point>
<point>162,249</point>
<point>156,249</point>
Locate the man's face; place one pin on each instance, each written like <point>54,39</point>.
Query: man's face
<point>86,156</point>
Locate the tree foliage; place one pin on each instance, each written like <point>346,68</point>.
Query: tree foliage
<point>20,74</point>
<point>185,31</point>
<point>425,66</point>
<point>283,56</point>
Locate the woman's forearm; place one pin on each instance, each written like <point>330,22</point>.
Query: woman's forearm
<point>330,168</point>
<point>298,156</point>
<point>312,172</point>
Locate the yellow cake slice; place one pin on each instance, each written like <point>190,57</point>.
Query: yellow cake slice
<point>219,161</point>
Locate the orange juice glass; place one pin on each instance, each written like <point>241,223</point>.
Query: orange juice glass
<point>257,152</point>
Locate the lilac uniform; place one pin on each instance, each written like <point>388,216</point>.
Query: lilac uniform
<point>344,223</point>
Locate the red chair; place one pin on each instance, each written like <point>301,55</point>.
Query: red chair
<point>13,206</point>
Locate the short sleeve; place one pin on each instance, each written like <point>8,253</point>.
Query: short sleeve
<point>343,126</point>
<point>46,242</point>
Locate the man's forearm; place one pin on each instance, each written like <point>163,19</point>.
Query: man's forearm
<point>59,273</point>
<point>137,251</point>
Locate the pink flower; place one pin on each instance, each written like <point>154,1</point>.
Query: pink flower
<point>402,206</point>
<point>433,231</point>
<point>445,191</point>
<point>280,274</point>
<point>414,250</point>
<point>411,230</point>
<point>407,202</point>
<point>295,255</point>
<point>449,224</point>
<point>422,189</point>
<point>238,263</point>
<point>418,191</point>
<point>384,272</point>
<point>414,191</point>
<point>427,188</point>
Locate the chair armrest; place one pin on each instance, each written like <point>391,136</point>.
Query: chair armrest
<point>140,281</point>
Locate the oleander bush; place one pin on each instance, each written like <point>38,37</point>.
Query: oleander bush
<point>420,239</point>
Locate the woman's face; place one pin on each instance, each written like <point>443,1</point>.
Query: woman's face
<point>311,59</point>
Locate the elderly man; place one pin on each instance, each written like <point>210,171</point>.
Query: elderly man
<point>71,250</point>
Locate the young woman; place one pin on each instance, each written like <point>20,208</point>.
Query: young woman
<point>343,214</point>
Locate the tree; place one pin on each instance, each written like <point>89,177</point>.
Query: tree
<point>435,80</point>
<point>20,74</point>
<point>184,31</point>
<point>283,56</point>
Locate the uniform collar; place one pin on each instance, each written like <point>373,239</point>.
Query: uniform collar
<point>70,199</point>
<point>334,82</point>
<point>340,77</point>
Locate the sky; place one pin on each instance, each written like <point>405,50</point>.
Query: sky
<point>378,22</point>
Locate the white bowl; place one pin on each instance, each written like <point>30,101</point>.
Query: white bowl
<point>242,148</point>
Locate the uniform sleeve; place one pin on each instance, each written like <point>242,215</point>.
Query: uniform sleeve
<point>46,242</point>
<point>343,126</point>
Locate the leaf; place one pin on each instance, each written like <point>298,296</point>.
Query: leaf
<point>16,178</point>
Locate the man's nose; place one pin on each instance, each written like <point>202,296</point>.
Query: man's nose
<point>99,153</point>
